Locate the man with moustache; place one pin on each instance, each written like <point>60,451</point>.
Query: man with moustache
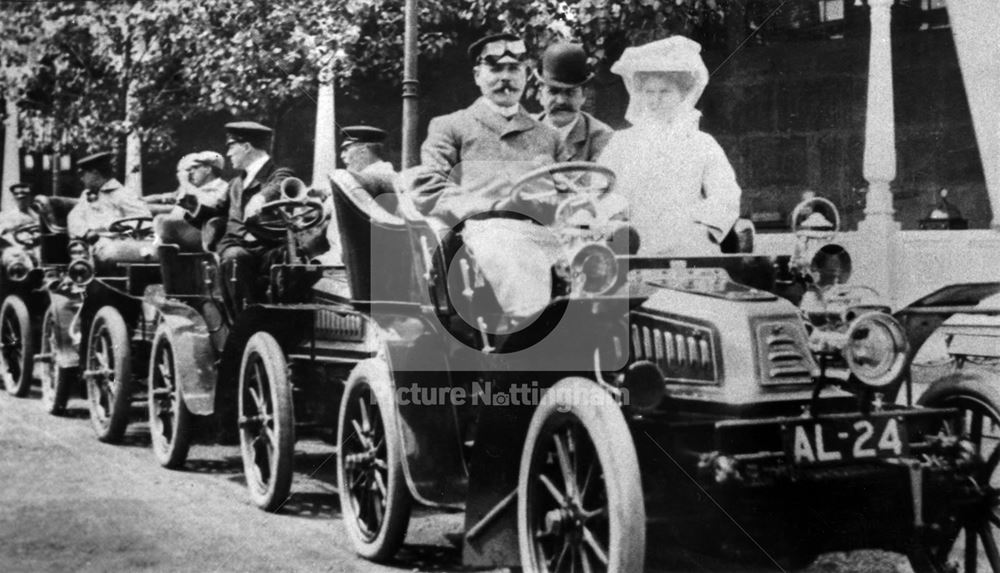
<point>468,163</point>
<point>563,77</point>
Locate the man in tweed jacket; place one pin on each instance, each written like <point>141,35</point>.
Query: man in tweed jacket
<point>469,160</point>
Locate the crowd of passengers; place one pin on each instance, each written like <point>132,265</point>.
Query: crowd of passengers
<point>675,185</point>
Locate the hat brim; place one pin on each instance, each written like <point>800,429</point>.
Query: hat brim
<point>558,84</point>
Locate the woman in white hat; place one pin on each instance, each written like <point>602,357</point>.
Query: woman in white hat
<point>681,187</point>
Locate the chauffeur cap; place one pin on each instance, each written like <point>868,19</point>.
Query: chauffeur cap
<point>100,161</point>
<point>248,132</point>
<point>362,134</point>
<point>494,49</point>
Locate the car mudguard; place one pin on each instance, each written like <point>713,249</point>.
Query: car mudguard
<point>418,357</point>
<point>194,357</point>
<point>67,341</point>
<point>922,317</point>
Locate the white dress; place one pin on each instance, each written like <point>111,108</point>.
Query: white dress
<point>677,186</point>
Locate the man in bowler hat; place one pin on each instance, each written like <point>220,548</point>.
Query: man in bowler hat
<point>563,76</point>
<point>244,256</point>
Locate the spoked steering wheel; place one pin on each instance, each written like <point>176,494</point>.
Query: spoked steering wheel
<point>27,235</point>
<point>572,186</point>
<point>289,214</point>
<point>133,227</point>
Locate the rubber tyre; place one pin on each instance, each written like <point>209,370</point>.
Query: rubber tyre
<point>977,393</point>
<point>55,381</point>
<point>18,350</point>
<point>109,357</point>
<point>267,439</point>
<point>576,410</point>
<point>368,429</point>
<point>171,424</point>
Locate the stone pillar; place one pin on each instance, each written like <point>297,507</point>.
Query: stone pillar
<point>133,144</point>
<point>878,228</point>
<point>11,154</point>
<point>325,150</point>
<point>974,24</point>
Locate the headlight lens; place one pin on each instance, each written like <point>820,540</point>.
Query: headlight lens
<point>80,271</point>
<point>876,349</point>
<point>594,269</point>
<point>17,271</point>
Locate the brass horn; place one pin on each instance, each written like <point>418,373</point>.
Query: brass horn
<point>293,188</point>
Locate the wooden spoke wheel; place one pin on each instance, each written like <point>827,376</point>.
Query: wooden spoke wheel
<point>266,422</point>
<point>17,349</point>
<point>969,542</point>
<point>55,381</point>
<point>580,504</point>
<point>374,498</point>
<point>109,375</point>
<point>170,423</point>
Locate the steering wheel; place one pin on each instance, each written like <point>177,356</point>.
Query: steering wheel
<point>135,227</point>
<point>576,177</point>
<point>278,216</point>
<point>27,235</point>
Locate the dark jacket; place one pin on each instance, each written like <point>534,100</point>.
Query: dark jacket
<point>268,177</point>
<point>587,138</point>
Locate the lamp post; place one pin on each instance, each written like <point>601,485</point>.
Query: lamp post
<point>411,86</point>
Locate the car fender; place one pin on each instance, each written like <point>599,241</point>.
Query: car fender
<point>194,357</point>
<point>432,450</point>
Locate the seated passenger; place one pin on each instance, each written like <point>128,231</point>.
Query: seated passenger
<point>469,161</point>
<point>677,179</point>
<point>200,196</point>
<point>244,256</point>
<point>362,154</point>
<point>20,215</point>
<point>105,201</point>
<point>13,219</point>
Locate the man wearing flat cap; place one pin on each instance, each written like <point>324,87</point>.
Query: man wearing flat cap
<point>563,77</point>
<point>105,200</point>
<point>243,254</point>
<point>469,161</point>
<point>20,215</point>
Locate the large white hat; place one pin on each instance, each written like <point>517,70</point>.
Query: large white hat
<point>673,54</point>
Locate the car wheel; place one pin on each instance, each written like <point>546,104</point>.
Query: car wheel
<point>17,349</point>
<point>969,544</point>
<point>374,498</point>
<point>55,381</point>
<point>579,495</point>
<point>266,422</point>
<point>170,422</point>
<point>109,375</point>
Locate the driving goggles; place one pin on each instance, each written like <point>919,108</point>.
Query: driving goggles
<point>494,52</point>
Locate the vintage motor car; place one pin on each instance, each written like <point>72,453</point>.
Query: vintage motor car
<point>20,279</point>
<point>677,399</point>
<point>261,368</point>
<point>97,325</point>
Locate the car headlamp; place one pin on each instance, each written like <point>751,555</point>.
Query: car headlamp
<point>594,269</point>
<point>17,271</point>
<point>876,349</point>
<point>80,271</point>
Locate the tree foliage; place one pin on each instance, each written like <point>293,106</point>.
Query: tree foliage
<point>75,62</point>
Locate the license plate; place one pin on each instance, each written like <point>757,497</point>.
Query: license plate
<point>845,440</point>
